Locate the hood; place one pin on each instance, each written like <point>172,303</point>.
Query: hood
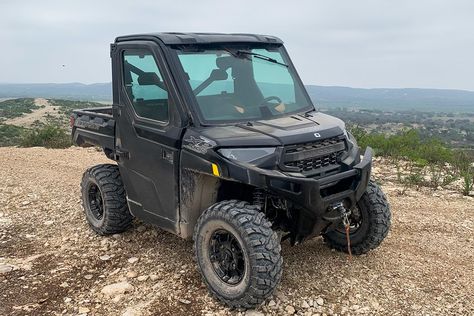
<point>288,130</point>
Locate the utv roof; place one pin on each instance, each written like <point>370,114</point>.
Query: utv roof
<point>173,38</point>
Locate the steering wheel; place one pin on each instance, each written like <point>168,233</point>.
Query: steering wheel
<point>270,98</point>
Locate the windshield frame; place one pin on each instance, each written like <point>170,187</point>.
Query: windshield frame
<point>192,101</point>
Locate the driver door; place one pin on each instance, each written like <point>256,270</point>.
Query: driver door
<point>148,134</point>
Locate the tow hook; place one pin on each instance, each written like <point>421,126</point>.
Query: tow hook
<point>337,212</point>
<point>344,215</point>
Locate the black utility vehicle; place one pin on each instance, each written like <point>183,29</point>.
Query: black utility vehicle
<point>216,139</point>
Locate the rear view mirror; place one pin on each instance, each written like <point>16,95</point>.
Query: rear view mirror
<point>225,62</point>
<point>218,74</point>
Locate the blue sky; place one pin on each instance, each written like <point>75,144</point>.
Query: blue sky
<point>364,43</point>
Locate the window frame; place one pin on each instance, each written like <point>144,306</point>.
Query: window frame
<point>145,51</point>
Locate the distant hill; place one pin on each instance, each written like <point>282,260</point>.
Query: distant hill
<point>70,91</point>
<point>324,97</point>
<point>393,99</point>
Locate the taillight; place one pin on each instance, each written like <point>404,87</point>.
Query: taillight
<point>71,121</point>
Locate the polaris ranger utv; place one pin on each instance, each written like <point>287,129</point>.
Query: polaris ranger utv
<point>216,139</point>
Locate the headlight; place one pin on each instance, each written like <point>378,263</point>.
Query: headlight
<point>352,139</point>
<point>246,154</point>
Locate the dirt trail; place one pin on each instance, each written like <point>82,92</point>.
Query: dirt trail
<point>41,114</point>
<point>52,263</point>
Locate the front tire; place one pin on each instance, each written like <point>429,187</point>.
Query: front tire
<point>370,227</point>
<point>104,200</point>
<point>238,254</point>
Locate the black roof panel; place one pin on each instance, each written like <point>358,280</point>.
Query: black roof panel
<point>173,38</point>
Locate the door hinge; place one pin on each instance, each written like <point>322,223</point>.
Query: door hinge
<point>113,48</point>
<point>120,153</point>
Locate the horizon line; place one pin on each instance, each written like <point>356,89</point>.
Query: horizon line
<point>314,85</point>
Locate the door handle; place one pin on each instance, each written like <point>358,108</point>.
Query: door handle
<point>167,156</point>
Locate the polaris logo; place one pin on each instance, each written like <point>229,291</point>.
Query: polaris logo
<point>317,135</point>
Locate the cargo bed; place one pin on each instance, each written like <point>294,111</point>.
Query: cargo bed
<point>94,127</point>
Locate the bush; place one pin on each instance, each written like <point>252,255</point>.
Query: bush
<point>10,135</point>
<point>444,164</point>
<point>49,136</point>
<point>408,144</point>
<point>67,106</point>
<point>465,168</point>
<point>16,107</point>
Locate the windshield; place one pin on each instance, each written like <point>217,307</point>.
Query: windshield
<point>243,84</point>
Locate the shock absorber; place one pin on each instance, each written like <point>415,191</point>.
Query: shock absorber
<point>259,198</point>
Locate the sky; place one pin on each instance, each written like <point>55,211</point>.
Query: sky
<point>363,43</point>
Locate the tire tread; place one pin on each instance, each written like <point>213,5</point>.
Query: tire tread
<point>116,212</point>
<point>265,248</point>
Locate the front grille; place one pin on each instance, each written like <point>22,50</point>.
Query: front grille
<point>310,158</point>
<point>314,163</point>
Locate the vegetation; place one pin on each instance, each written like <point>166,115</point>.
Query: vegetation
<point>421,161</point>
<point>406,144</point>
<point>455,129</point>
<point>10,135</point>
<point>66,107</point>
<point>465,166</point>
<point>49,136</point>
<point>51,131</point>
<point>16,107</point>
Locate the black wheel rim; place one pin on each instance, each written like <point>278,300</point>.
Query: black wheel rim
<point>226,256</point>
<point>355,221</point>
<point>96,205</point>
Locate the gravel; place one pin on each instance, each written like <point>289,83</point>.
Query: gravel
<point>52,263</point>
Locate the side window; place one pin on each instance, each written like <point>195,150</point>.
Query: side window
<point>144,85</point>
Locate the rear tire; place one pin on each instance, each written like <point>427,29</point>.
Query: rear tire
<point>104,200</point>
<point>374,224</point>
<point>238,253</point>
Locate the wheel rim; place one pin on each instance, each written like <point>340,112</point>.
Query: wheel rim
<point>226,256</point>
<point>355,221</point>
<point>96,204</point>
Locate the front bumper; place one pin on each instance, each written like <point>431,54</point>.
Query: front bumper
<point>313,196</point>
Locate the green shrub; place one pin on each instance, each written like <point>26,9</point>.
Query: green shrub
<point>16,107</point>
<point>10,135</point>
<point>465,168</point>
<point>49,136</point>
<point>407,144</point>
<point>444,164</point>
<point>66,107</point>
<point>414,179</point>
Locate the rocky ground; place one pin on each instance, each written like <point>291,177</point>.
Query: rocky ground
<point>52,263</point>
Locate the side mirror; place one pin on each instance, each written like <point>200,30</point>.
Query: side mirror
<point>149,79</point>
